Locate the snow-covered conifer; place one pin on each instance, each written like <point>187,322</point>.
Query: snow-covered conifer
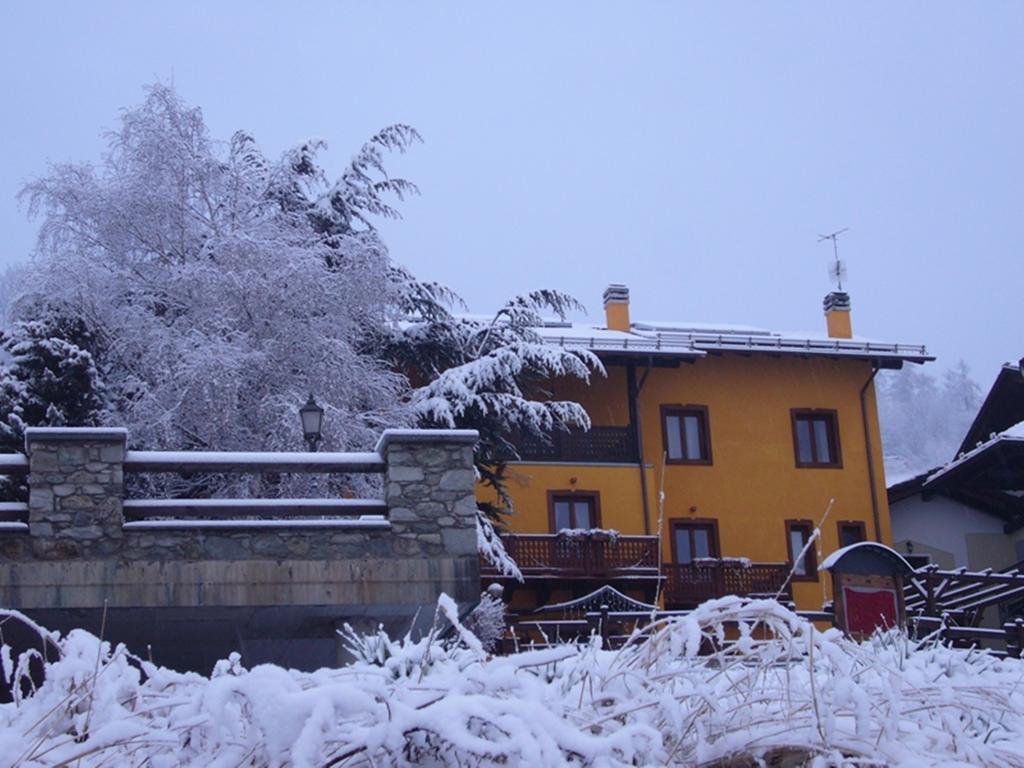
<point>50,378</point>
<point>489,374</point>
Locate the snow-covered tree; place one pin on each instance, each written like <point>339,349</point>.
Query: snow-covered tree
<point>924,420</point>
<point>219,297</point>
<point>222,287</point>
<point>489,375</point>
<point>50,378</point>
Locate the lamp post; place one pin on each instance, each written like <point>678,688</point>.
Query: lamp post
<point>312,416</point>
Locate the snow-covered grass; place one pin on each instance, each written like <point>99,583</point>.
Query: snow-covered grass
<point>782,690</point>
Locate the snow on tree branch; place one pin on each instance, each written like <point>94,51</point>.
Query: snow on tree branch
<point>491,548</point>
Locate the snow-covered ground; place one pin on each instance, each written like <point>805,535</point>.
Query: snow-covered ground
<point>813,697</point>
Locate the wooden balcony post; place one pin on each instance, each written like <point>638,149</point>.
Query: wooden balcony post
<point>718,579</point>
<point>929,584</point>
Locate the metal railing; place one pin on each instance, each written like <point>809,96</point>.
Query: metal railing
<point>13,514</point>
<point>254,512</point>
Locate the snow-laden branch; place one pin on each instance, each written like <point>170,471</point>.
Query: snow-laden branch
<point>491,548</point>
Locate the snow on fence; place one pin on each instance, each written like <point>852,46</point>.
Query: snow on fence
<point>961,592</point>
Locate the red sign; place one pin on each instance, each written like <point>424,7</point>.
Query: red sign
<point>868,608</point>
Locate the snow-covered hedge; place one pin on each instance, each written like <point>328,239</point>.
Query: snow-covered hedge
<point>782,691</point>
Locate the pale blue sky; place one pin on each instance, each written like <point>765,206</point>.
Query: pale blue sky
<point>692,151</point>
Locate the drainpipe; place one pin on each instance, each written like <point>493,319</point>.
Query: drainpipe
<point>638,435</point>
<point>871,457</point>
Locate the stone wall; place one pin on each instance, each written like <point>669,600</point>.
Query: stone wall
<point>78,552</point>
<point>76,491</point>
<point>76,484</point>
<point>430,492</point>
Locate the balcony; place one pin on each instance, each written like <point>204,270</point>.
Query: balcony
<point>600,556</point>
<point>615,445</point>
<point>693,583</point>
<point>581,556</point>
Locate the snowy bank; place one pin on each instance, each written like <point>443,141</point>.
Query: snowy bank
<point>781,689</point>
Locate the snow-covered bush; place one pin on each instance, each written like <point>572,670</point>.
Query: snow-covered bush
<point>487,621</point>
<point>780,693</point>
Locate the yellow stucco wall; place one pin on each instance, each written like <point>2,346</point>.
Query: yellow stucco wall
<point>753,485</point>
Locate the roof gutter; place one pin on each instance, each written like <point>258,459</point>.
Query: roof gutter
<point>875,514</point>
<point>638,435</point>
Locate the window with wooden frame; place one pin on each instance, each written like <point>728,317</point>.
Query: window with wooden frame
<point>798,533</point>
<point>816,438</point>
<point>693,539</point>
<point>851,532</point>
<point>687,438</point>
<point>573,509</point>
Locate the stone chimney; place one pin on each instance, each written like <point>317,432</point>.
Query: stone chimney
<point>837,315</point>
<point>616,307</point>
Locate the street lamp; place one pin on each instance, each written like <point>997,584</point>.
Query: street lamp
<point>312,416</point>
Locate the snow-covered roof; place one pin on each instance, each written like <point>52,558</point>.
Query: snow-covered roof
<point>1013,434</point>
<point>598,339</point>
<point>830,561</point>
<point>697,339</point>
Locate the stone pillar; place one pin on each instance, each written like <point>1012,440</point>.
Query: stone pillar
<point>76,491</point>
<point>429,487</point>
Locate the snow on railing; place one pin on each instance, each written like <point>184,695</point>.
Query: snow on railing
<point>241,462</point>
<point>254,512</point>
<point>13,514</point>
<point>13,464</point>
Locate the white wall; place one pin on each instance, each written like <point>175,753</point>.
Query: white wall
<point>944,527</point>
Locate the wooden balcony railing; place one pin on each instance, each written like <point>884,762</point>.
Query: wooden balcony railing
<point>693,583</point>
<point>597,445</point>
<point>581,556</point>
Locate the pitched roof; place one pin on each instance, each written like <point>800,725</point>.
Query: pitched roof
<point>996,464</point>
<point>1002,408</point>
<point>910,486</point>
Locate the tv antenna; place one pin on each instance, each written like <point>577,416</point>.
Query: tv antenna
<point>837,270</point>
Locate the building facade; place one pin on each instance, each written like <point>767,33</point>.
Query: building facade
<point>715,452</point>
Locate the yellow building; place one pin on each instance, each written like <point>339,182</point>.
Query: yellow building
<point>715,453</point>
